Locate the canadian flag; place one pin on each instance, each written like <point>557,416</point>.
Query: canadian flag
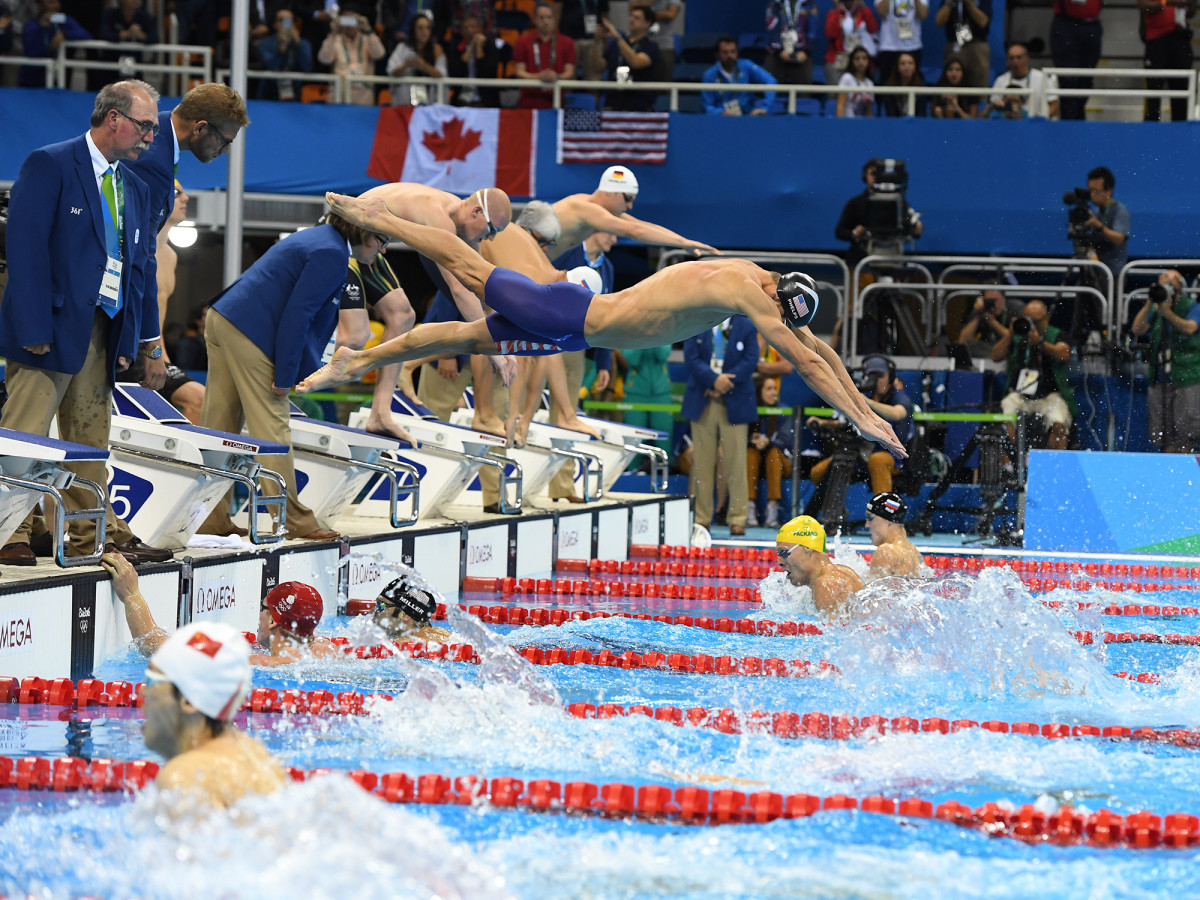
<point>457,149</point>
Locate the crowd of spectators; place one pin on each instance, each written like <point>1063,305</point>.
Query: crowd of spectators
<point>575,39</point>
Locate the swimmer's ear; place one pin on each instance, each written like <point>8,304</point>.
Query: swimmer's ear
<point>185,705</point>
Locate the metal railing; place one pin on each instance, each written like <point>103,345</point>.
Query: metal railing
<point>48,63</point>
<point>62,63</point>
<point>1136,266</point>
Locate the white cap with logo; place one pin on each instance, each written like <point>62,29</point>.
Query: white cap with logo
<point>618,180</point>
<point>209,662</point>
<point>588,277</point>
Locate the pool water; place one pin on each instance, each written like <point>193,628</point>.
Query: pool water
<point>961,646</point>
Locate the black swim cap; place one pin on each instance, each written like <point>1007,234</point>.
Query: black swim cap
<point>888,506</point>
<point>798,294</point>
<point>417,604</point>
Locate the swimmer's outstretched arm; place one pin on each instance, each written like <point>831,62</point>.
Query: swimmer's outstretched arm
<point>827,353</point>
<point>431,339</point>
<point>147,636</point>
<point>446,249</point>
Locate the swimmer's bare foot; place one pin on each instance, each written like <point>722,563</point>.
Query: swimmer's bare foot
<point>369,213</point>
<point>491,424</point>
<point>574,423</point>
<point>405,383</point>
<point>342,368</point>
<point>386,425</point>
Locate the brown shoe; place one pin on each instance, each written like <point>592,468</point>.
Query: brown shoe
<point>17,554</point>
<point>570,498</point>
<point>321,534</point>
<point>737,530</point>
<point>138,553</point>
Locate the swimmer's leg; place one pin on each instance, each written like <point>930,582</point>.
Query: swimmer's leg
<point>398,318</point>
<point>447,249</point>
<point>432,339</point>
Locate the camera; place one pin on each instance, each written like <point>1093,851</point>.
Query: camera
<point>1022,325</point>
<point>890,221</point>
<point>347,20</point>
<point>1161,293</point>
<point>58,18</point>
<point>1082,235</point>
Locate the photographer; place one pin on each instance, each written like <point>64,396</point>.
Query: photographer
<point>978,334</point>
<point>628,59</point>
<point>283,51</point>
<point>1042,103</point>
<point>1110,229</point>
<point>1173,407</point>
<point>1037,372</point>
<point>352,51</point>
<point>42,37</point>
<point>886,397</point>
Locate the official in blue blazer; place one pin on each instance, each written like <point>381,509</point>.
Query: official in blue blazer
<point>69,319</point>
<point>720,403</point>
<point>267,331</point>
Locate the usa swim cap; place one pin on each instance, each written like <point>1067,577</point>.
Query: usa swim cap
<point>798,295</point>
<point>588,277</point>
<point>805,531</point>
<point>618,180</point>
<point>209,663</point>
<point>295,607</point>
<point>888,506</point>
<point>417,604</point>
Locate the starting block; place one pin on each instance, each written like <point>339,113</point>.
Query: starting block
<point>633,440</point>
<point>31,465</point>
<point>168,474</point>
<point>449,458</point>
<point>335,462</point>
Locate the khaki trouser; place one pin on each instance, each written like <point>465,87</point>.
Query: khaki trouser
<point>240,377</point>
<point>441,396</point>
<point>83,403</point>
<point>711,430</point>
<point>575,362</point>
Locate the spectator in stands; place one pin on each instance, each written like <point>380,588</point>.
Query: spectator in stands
<point>966,23</point>
<point>791,36</point>
<point>861,102</point>
<point>580,20</point>
<point>953,106</point>
<point>1112,226</point>
<point>668,16</point>
<point>1173,320</point>
<point>905,74</point>
<point>729,70</point>
<point>977,333</point>
<point>886,397</point>
<point>769,455</point>
<point>128,23</point>
<point>197,22</point>
<point>720,403</point>
<point>398,16</point>
<point>42,36</point>
<point>351,50</point>
<point>848,25</point>
<point>543,54</point>
<point>418,57</point>
<point>483,10</point>
<point>283,51</point>
<point>630,59</point>
<point>475,56</point>
<point>899,32</point>
<point>1037,371</point>
<point>1168,46</point>
<point>647,380</point>
<point>1041,104</point>
<point>1075,38</point>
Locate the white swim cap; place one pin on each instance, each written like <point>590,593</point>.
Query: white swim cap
<point>588,277</point>
<point>618,180</point>
<point>209,662</point>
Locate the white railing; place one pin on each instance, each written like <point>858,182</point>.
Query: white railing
<point>47,63</point>
<point>63,64</point>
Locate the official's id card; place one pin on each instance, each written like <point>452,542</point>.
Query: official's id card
<point>1027,382</point>
<point>733,108</point>
<point>110,285</point>
<point>590,24</point>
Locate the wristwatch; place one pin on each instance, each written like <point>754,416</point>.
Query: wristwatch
<point>153,354</point>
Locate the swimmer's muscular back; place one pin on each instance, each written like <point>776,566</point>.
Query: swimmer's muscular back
<point>223,770</point>
<point>895,558</point>
<point>573,214</point>
<point>418,203</point>
<point>516,249</point>
<point>833,590</point>
<point>680,301</point>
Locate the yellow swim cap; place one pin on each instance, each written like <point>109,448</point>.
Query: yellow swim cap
<point>805,531</point>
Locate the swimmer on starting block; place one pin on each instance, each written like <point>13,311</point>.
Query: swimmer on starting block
<point>672,304</point>
<point>800,545</point>
<point>195,683</point>
<point>894,552</point>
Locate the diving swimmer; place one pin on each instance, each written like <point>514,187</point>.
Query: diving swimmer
<point>670,305</point>
<point>800,545</point>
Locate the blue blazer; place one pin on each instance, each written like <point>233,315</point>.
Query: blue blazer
<point>287,302</point>
<point>56,255</point>
<point>156,167</point>
<point>741,361</point>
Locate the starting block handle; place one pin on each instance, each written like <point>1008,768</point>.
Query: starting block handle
<point>591,467</point>
<point>96,514</point>
<point>659,465</point>
<point>391,469</point>
<point>517,480</point>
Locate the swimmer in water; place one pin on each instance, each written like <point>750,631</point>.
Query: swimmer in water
<point>672,304</point>
<point>404,611</point>
<point>287,618</point>
<point>894,552</point>
<point>800,545</point>
<point>195,684</point>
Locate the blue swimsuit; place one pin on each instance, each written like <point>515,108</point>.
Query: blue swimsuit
<point>532,319</point>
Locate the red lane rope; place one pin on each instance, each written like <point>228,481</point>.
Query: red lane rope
<point>694,805</point>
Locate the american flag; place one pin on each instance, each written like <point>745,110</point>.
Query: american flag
<point>593,136</point>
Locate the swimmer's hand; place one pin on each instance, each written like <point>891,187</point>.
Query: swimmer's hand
<point>342,368</point>
<point>506,368</point>
<point>876,429</point>
<point>699,249</point>
<point>124,576</point>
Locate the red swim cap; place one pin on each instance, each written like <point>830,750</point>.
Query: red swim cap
<point>295,607</point>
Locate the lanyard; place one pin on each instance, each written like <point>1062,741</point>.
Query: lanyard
<point>537,52</point>
<point>789,13</point>
<point>119,197</point>
<point>346,49</point>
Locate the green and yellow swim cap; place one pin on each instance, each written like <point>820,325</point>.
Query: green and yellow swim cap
<point>805,531</point>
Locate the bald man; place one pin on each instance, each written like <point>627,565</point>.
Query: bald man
<point>478,218</point>
<point>607,209</point>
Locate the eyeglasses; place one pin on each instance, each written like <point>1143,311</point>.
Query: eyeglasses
<point>225,141</point>
<point>143,127</point>
<point>178,191</point>
<point>545,243</point>
<point>383,241</point>
<point>492,230</point>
